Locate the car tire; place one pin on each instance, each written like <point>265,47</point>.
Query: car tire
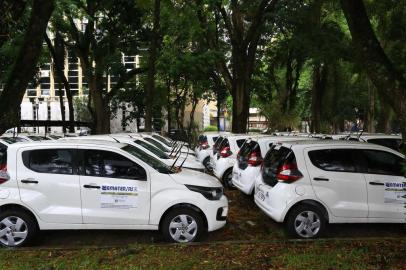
<point>227,179</point>
<point>183,225</point>
<point>17,228</point>
<point>306,222</point>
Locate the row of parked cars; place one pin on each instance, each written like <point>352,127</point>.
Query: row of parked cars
<point>307,181</point>
<point>139,181</point>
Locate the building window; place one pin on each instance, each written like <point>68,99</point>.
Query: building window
<point>49,112</point>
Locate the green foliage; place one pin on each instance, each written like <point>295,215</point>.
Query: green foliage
<point>210,128</point>
<point>81,110</point>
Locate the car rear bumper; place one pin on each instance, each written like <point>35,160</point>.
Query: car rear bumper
<point>244,180</point>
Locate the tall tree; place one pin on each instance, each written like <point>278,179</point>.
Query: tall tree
<point>244,24</point>
<point>24,65</point>
<point>153,51</point>
<point>388,78</point>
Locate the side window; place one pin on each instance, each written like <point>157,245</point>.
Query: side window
<point>335,160</point>
<point>111,165</point>
<point>54,161</point>
<point>381,162</point>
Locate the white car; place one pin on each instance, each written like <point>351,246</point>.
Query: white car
<point>307,185</point>
<point>184,161</point>
<point>392,141</point>
<point>205,147</point>
<point>168,149</point>
<point>225,157</point>
<point>67,185</point>
<point>249,160</point>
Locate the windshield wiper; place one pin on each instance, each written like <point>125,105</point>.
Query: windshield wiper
<point>178,152</point>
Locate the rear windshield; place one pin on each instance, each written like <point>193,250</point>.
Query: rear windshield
<point>214,139</point>
<point>391,143</point>
<point>152,149</point>
<point>3,154</point>
<point>240,142</point>
<point>248,148</point>
<point>150,160</point>
<point>274,159</point>
<point>202,139</point>
<point>217,144</point>
<point>157,144</point>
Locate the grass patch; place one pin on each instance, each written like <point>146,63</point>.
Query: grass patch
<point>288,255</point>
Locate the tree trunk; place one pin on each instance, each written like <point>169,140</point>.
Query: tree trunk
<point>320,72</point>
<point>371,108</point>
<point>389,80</point>
<point>24,67</point>
<point>153,51</point>
<point>169,104</point>
<point>101,110</point>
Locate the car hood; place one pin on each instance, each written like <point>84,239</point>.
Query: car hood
<point>190,163</point>
<point>191,177</point>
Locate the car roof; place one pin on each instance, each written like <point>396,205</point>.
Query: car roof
<point>70,142</point>
<point>321,143</point>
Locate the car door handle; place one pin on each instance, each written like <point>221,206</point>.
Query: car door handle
<point>320,179</point>
<point>91,186</point>
<point>29,181</point>
<point>376,184</point>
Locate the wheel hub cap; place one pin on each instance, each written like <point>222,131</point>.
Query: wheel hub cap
<point>183,228</point>
<point>307,224</point>
<point>13,231</point>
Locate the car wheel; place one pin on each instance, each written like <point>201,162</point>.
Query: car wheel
<point>306,221</point>
<point>228,179</point>
<point>17,228</point>
<point>183,225</point>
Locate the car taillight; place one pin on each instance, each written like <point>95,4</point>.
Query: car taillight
<point>225,152</point>
<point>204,145</point>
<point>4,177</point>
<point>288,173</point>
<point>254,159</point>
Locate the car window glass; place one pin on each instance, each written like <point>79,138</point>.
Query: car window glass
<point>111,165</point>
<point>336,160</point>
<point>162,140</point>
<point>152,149</point>
<point>214,139</point>
<point>55,161</point>
<point>381,162</point>
<point>275,158</point>
<point>391,143</point>
<point>34,138</point>
<point>240,142</point>
<point>148,159</point>
<point>156,144</point>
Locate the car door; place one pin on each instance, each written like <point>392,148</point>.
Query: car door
<point>386,184</point>
<point>336,181</point>
<point>115,189</point>
<point>49,183</point>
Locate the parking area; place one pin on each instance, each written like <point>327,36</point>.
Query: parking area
<point>245,223</point>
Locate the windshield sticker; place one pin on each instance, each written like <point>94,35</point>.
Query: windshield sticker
<point>395,192</point>
<point>114,196</point>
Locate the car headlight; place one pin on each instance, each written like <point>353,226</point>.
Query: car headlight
<point>210,193</point>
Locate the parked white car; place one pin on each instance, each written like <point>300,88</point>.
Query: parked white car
<point>392,141</point>
<point>168,149</point>
<point>103,185</point>
<point>249,160</point>
<point>307,185</point>
<point>225,157</point>
<point>204,147</point>
<point>184,161</point>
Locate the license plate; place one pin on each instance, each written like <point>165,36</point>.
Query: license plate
<point>261,195</point>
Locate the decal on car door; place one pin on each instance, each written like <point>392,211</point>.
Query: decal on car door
<point>116,196</point>
<point>395,192</point>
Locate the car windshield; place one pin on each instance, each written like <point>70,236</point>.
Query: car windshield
<point>161,139</point>
<point>156,151</point>
<point>11,140</point>
<point>150,160</point>
<point>157,144</point>
<point>387,142</point>
<point>55,137</point>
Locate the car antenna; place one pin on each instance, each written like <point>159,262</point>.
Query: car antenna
<point>176,158</point>
<point>114,139</point>
<point>360,134</point>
